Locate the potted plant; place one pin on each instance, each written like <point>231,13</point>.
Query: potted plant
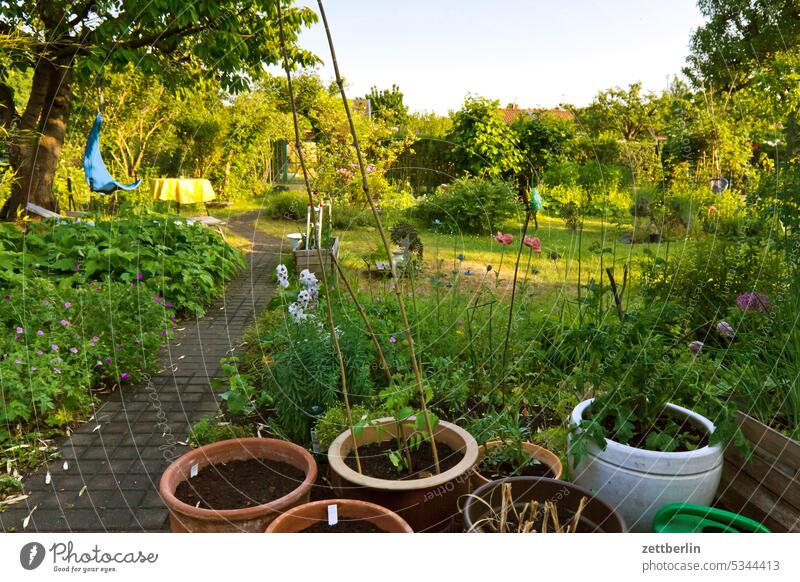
<point>538,505</point>
<point>507,451</point>
<point>425,499</point>
<point>397,466</point>
<point>632,446</point>
<point>348,516</point>
<point>237,485</point>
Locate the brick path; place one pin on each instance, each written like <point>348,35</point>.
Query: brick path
<point>120,463</point>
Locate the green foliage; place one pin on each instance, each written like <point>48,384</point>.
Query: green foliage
<point>287,205</point>
<point>242,399</point>
<point>763,376</point>
<point>61,342</point>
<point>470,205</point>
<point>295,365</point>
<point>544,139</point>
<point>388,105</point>
<point>333,422</point>
<point>624,112</point>
<point>187,265</point>
<point>212,429</point>
<point>709,275</point>
<point>483,144</point>
<point>634,380</point>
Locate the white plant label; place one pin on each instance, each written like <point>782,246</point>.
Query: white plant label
<point>333,514</point>
<point>193,471</point>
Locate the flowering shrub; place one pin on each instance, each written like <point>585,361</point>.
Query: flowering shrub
<point>57,345</point>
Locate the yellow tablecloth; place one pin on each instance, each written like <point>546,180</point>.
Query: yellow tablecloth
<point>183,190</point>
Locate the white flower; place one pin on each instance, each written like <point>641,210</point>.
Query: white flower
<point>308,279</point>
<point>303,298</point>
<point>283,282</point>
<point>282,271</point>
<point>297,312</point>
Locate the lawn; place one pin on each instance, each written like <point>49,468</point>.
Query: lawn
<point>553,274</point>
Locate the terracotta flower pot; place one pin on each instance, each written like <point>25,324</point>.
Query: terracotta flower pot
<point>597,515</point>
<point>304,516</point>
<point>534,451</point>
<point>427,504</point>
<point>187,518</point>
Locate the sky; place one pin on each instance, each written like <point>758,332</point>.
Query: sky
<point>536,53</point>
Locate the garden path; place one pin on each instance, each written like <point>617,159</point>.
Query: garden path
<point>115,460</point>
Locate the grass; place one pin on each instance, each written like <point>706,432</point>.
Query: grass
<point>550,279</point>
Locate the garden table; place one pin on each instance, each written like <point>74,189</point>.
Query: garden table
<point>183,190</point>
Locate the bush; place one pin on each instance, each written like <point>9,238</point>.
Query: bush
<point>470,205</point>
<point>59,344</point>
<point>286,205</point>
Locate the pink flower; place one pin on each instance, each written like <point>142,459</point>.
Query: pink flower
<point>67,304</point>
<point>392,340</point>
<point>95,339</point>
<point>505,239</point>
<point>54,347</point>
<point>64,322</point>
<point>712,208</point>
<point>139,276</point>
<point>20,330</point>
<point>124,376</point>
<point>74,350</point>
<point>533,243</point>
<point>39,332</point>
<point>99,363</point>
<point>696,347</point>
<point>752,301</point>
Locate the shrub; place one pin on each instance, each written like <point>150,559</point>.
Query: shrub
<point>212,429</point>
<point>286,205</point>
<point>471,205</point>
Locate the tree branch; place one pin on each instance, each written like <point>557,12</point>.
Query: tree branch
<point>81,14</point>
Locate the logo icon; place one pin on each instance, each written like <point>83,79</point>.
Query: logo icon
<point>31,555</point>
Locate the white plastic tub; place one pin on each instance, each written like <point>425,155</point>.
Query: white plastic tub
<point>638,482</point>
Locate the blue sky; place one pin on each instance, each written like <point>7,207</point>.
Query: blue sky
<point>538,53</point>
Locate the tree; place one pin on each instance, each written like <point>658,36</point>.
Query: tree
<point>227,39</point>
<point>624,112</point>
<point>387,105</point>
<point>482,143</point>
<point>737,36</point>
<point>543,138</point>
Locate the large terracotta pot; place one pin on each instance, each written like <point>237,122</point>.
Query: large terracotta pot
<point>534,451</point>
<point>597,515</point>
<point>638,482</point>
<point>427,504</point>
<point>187,518</point>
<point>304,516</point>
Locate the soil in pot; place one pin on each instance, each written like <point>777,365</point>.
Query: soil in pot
<point>375,461</point>
<point>239,484</point>
<point>347,526</point>
<point>493,470</point>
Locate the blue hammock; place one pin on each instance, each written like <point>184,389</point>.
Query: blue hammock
<point>97,176</point>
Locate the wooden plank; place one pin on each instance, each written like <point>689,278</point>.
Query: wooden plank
<point>41,211</point>
<point>786,451</point>
<point>741,494</point>
<point>768,474</point>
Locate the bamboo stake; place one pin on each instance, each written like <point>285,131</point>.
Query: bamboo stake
<point>364,318</point>
<point>329,309</point>
<point>384,239</point>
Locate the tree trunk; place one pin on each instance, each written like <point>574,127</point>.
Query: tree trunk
<point>35,156</point>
